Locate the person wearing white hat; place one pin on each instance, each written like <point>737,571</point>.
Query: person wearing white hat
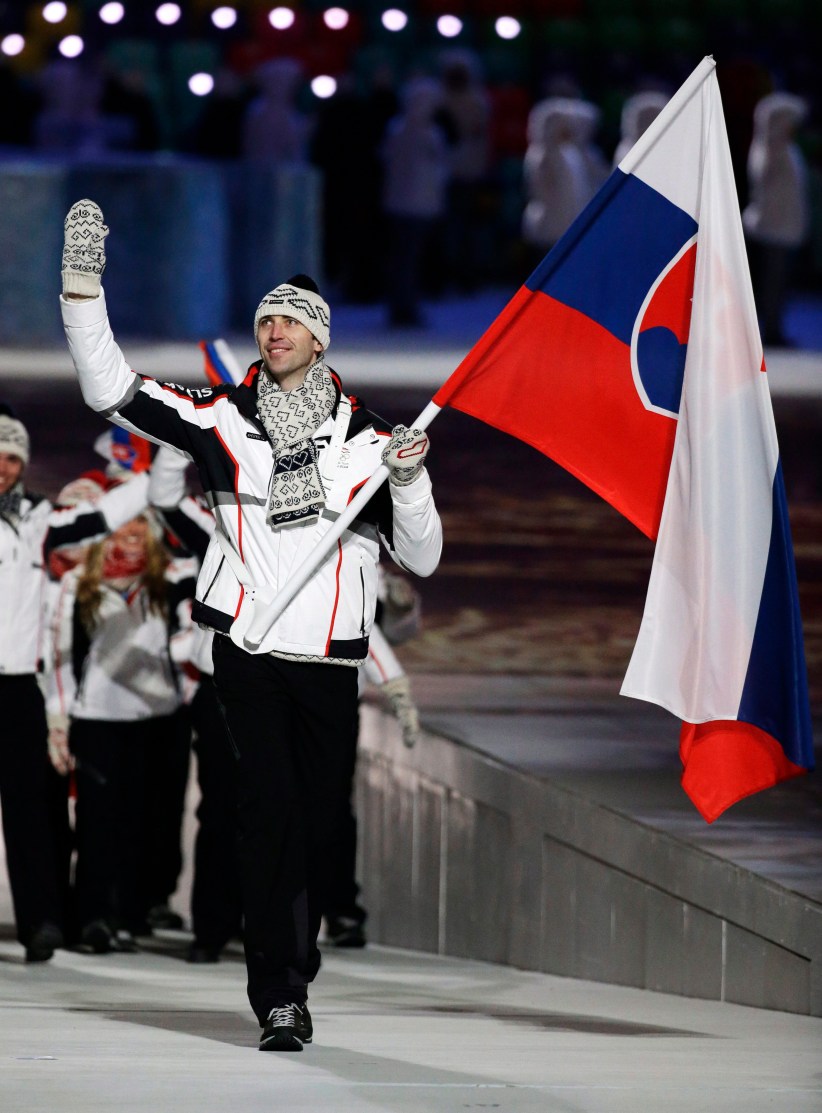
<point>24,765</point>
<point>279,457</point>
<point>777,218</point>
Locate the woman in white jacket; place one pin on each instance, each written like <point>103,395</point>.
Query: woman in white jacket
<point>114,702</point>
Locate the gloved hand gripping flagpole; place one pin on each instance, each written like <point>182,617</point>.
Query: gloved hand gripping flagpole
<point>262,622</point>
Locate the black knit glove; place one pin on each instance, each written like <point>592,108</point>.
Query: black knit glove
<point>84,253</point>
<point>404,455</point>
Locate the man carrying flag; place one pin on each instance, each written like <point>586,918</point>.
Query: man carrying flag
<point>280,457</point>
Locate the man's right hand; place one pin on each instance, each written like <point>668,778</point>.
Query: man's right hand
<point>84,253</point>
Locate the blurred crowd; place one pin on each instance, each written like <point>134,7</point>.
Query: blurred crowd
<point>450,164</point>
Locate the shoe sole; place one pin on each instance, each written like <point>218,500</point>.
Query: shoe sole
<point>39,954</point>
<point>283,1041</point>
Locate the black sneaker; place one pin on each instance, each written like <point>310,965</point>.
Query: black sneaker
<point>96,937</point>
<point>199,953</point>
<point>43,943</point>
<point>345,931</point>
<point>164,918</point>
<point>288,1027</point>
<point>123,940</point>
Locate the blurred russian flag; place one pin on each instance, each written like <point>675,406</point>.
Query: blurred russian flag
<point>632,357</point>
<point>220,363</point>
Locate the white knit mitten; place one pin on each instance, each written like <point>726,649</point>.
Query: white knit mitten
<point>84,252</point>
<point>404,455</point>
<point>398,694</point>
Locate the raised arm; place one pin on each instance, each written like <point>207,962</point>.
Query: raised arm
<point>163,412</point>
<point>88,522</point>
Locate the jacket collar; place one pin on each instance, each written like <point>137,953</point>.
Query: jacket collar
<point>244,397</point>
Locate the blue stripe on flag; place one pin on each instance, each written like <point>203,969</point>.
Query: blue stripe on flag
<point>607,261</point>
<point>775,695</point>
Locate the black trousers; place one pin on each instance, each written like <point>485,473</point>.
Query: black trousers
<point>128,815</point>
<point>342,890</point>
<point>216,908</point>
<point>169,760</point>
<point>25,796</point>
<point>291,724</point>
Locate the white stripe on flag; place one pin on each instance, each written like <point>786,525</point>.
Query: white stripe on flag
<point>695,639</point>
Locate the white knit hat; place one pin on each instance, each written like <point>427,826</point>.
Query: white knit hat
<point>298,298</point>
<point>14,439</point>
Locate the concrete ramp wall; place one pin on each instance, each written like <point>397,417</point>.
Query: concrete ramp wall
<point>463,856</point>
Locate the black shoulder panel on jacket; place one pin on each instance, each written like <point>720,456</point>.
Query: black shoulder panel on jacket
<point>216,467</point>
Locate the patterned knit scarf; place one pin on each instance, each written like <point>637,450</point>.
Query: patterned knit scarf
<point>10,505</point>
<point>291,418</point>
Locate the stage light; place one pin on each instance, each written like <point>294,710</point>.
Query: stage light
<point>71,46</point>
<point>323,86</point>
<point>168,14</point>
<point>449,26</point>
<point>335,18</point>
<point>394,20</point>
<point>12,45</point>
<point>112,12</point>
<point>54,12</point>
<point>223,18</point>
<point>200,84</point>
<point>281,18</point>
<point>507,27</point>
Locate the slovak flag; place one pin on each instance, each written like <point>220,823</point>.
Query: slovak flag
<point>632,357</point>
<point>127,451</point>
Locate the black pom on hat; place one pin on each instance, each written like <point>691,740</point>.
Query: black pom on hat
<point>303,282</point>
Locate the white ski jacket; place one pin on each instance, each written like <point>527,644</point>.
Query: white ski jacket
<point>219,429</point>
<point>22,587</point>
<point>123,671</point>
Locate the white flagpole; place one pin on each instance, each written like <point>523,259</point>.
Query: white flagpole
<point>265,619</point>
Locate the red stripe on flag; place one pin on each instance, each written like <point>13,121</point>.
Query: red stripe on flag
<point>552,377</point>
<point>727,760</point>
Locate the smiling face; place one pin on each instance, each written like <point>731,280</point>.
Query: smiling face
<point>11,468</point>
<point>130,541</point>
<point>288,349</point>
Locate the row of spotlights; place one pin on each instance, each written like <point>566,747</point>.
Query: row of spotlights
<point>281,18</point>
<point>323,87</point>
<point>449,26</point>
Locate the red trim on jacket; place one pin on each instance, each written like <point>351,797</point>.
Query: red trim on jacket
<point>336,597</point>
<point>378,663</point>
<point>233,459</point>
